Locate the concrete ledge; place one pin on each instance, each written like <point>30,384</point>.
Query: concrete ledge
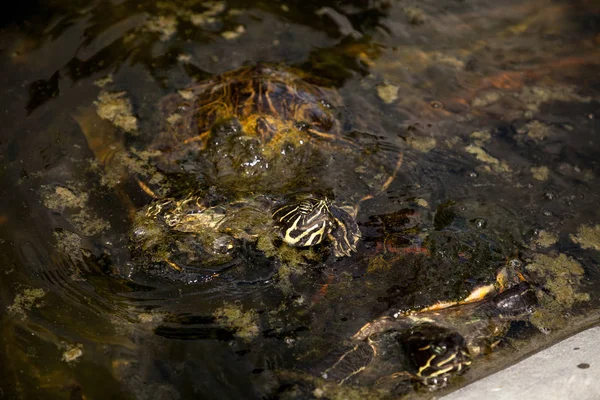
<point>568,370</point>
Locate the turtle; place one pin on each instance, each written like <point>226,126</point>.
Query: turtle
<point>432,345</point>
<point>259,128</point>
<point>190,232</point>
<point>269,101</point>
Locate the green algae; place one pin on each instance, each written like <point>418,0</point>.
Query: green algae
<point>116,108</point>
<point>540,173</point>
<point>480,137</point>
<point>62,198</point>
<point>415,15</point>
<point>233,316</point>
<point>561,276</point>
<point>387,92</point>
<point>70,245</point>
<point>546,239</point>
<point>72,353</point>
<point>422,144</point>
<point>164,25</point>
<point>537,130</point>
<point>492,164</point>
<point>89,224</point>
<point>588,237</point>
<point>25,301</point>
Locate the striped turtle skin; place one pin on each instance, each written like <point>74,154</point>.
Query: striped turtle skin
<point>436,352</point>
<point>309,221</point>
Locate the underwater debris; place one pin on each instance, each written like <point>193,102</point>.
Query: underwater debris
<point>387,92</point>
<point>72,353</point>
<point>116,108</point>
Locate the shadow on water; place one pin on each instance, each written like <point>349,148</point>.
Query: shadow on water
<point>492,111</point>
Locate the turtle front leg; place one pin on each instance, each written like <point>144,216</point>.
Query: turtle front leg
<point>345,233</point>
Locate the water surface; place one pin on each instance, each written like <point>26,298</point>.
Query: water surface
<point>492,108</point>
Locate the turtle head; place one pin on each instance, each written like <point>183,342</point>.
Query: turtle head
<point>309,221</point>
<point>437,353</point>
<point>304,223</point>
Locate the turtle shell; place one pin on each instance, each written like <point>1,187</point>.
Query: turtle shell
<point>254,117</point>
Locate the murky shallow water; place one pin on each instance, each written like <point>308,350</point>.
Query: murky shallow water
<point>493,108</point>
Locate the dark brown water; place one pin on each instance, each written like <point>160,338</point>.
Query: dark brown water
<point>494,109</point>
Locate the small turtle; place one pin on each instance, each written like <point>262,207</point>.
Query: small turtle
<point>190,232</point>
<point>261,126</point>
<point>432,345</point>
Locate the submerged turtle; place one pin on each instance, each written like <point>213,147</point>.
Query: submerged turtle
<point>270,102</point>
<point>432,345</point>
<point>258,129</point>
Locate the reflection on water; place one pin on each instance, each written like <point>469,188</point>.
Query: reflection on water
<point>492,111</point>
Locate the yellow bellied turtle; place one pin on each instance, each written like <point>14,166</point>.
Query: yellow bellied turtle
<point>432,345</point>
<point>191,232</point>
<point>263,129</point>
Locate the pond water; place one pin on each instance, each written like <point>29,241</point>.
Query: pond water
<point>462,135</point>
